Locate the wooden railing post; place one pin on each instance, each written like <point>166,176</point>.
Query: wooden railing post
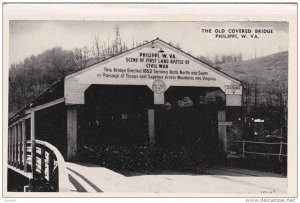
<point>24,147</point>
<point>9,142</point>
<point>50,166</point>
<point>11,146</point>
<point>32,139</point>
<point>20,145</point>
<point>15,145</point>
<point>42,161</point>
<point>280,149</point>
<point>243,148</point>
<point>33,158</point>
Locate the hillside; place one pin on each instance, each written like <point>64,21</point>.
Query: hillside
<point>270,72</point>
<point>267,70</point>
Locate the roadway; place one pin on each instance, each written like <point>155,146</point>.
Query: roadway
<point>93,178</point>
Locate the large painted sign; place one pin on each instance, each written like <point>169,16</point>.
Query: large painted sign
<point>156,65</point>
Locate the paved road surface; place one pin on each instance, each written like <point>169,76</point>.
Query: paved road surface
<point>92,178</point>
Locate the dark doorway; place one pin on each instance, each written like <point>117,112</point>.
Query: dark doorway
<point>115,114</point>
<point>187,118</point>
<point>187,127</point>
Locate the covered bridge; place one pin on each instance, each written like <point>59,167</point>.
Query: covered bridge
<point>154,94</point>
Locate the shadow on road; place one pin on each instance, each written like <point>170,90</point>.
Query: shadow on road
<point>217,170</point>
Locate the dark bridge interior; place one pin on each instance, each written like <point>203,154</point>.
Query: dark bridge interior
<point>114,115</point>
<point>113,127</point>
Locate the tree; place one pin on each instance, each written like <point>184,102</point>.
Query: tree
<point>205,60</point>
<point>282,94</point>
<point>217,59</point>
<point>255,96</point>
<point>239,57</point>
<point>81,57</point>
<point>36,73</point>
<point>177,45</point>
<point>97,48</point>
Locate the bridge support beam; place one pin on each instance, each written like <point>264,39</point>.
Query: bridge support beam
<point>151,124</point>
<point>32,138</point>
<point>222,131</point>
<point>9,144</point>
<point>71,132</point>
<point>12,144</point>
<point>32,125</point>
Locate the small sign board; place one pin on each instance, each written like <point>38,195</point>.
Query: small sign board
<point>225,123</point>
<point>233,89</point>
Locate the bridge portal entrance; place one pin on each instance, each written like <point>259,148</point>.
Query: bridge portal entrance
<point>115,127</point>
<point>189,118</point>
<point>114,115</point>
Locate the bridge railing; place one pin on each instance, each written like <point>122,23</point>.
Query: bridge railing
<point>262,148</point>
<point>43,161</point>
